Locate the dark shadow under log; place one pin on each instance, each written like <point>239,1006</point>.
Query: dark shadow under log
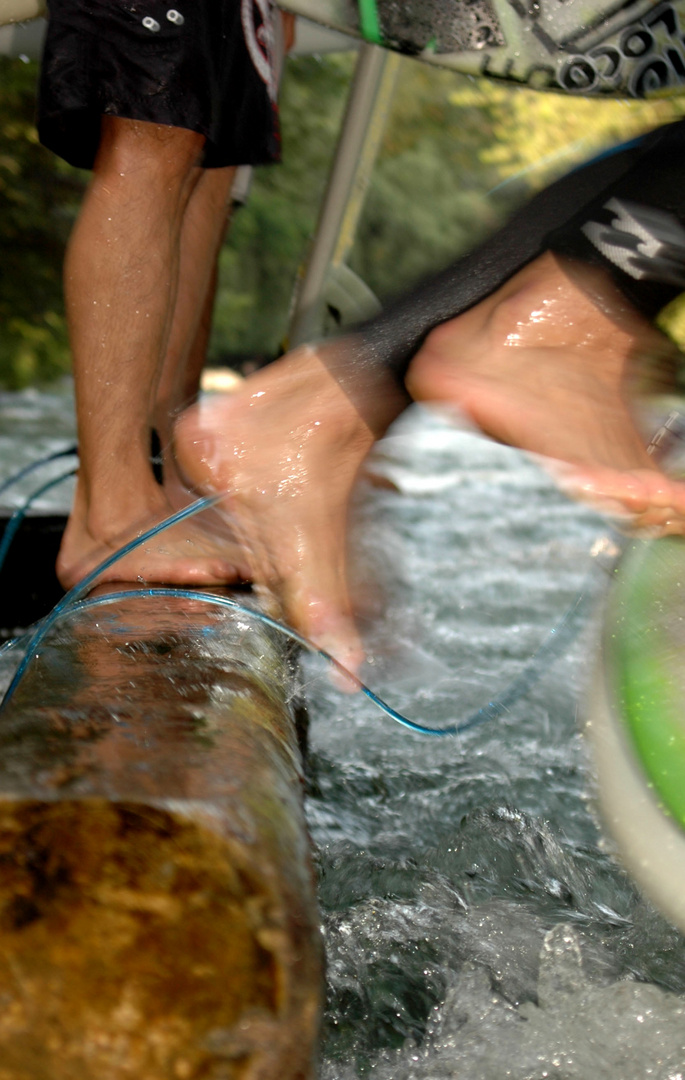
<point>157,908</point>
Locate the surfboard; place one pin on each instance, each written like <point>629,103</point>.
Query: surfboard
<point>607,49</point>
<point>636,719</point>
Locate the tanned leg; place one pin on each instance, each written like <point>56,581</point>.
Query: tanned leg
<point>121,277</point>
<point>204,229</point>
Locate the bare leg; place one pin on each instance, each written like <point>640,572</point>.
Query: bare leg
<point>121,275</point>
<point>204,228</point>
<point>538,365</point>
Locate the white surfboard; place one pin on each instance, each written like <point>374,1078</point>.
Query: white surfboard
<point>608,48</point>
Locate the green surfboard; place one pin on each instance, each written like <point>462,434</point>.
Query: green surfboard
<point>636,719</point>
<point>647,626</point>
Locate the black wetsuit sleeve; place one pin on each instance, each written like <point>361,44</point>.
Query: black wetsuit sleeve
<point>624,211</point>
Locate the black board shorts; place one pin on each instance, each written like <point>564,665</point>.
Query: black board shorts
<point>204,65</point>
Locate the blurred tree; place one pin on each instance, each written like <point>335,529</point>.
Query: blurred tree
<point>39,196</point>
<point>428,199</point>
<point>269,236</point>
<point>539,136</point>
<point>459,154</point>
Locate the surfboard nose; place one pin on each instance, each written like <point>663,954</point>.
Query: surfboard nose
<point>636,719</point>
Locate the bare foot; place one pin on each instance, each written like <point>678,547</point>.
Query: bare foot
<point>286,450</point>
<point>176,486</point>
<point>185,554</point>
<point>544,365</point>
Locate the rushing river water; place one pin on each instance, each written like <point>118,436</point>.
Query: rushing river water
<point>477,924</point>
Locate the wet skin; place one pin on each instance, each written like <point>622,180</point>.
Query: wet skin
<point>140,258</point>
<point>286,451</point>
<point>139,279</point>
<point>542,364</point>
<point>549,364</point>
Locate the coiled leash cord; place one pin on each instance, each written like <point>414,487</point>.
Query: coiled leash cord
<point>74,601</point>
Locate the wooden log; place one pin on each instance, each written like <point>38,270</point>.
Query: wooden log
<point>157,907</point>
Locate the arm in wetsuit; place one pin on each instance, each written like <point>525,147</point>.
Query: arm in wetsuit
<point>625,211</point>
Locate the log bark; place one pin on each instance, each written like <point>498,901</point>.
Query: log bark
<point>158,918</point>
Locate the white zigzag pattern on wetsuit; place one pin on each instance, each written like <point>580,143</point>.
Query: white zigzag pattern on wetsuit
<point>646,243</point>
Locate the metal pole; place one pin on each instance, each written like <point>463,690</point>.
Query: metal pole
<point>360,136</point>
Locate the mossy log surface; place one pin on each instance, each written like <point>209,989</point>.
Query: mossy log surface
<point>158,918</point>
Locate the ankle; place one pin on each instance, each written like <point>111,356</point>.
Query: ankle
<point>337,384</point>
<point>554,302</point>
<point>107,513</point>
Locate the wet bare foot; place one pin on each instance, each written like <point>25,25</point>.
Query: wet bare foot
<point>286,449</point>
<point>186,554</point>
<point>176,486</point>
<point>544,365</point>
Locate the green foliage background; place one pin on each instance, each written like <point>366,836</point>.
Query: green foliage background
<point>458,156</point>
<point>39,198</point>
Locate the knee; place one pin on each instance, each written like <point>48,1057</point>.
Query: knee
<point>152,154</point>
